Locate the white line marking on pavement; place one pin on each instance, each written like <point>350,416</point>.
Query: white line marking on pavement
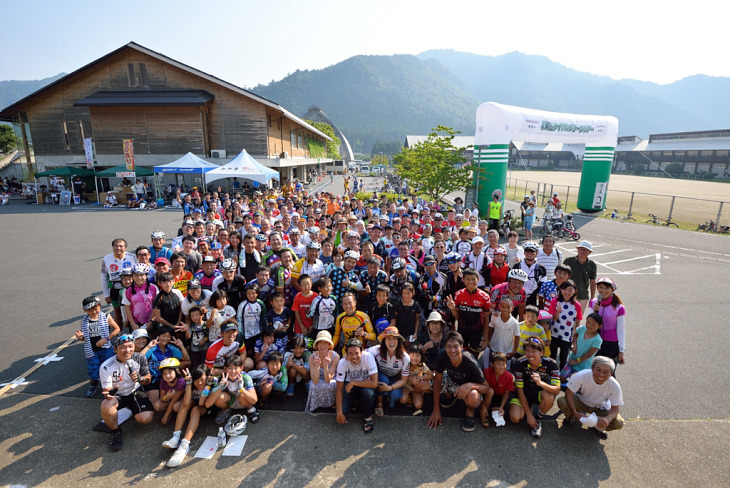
<point>610,252</point>
<point>630,259</point>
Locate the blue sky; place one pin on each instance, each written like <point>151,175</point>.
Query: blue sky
<point>252,42</point>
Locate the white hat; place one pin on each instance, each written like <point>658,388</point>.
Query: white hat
<point>477,239</point>
<point>585,245</point>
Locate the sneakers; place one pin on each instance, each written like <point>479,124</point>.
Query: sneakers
<point>116,442</point>
<point>179,456</point>
<point>173,443</point>
<point>537,431</point>
<point>222,416</point>
<point>253,415</point>
<point>290,390</point>
<point>469,424</point>
<point>446,401</point>
<point>92,390</point>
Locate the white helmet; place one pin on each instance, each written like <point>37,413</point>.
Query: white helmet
<point>228,265</point>
<point>236,425</point>
<point>158,234</point>
<point>517,274</point>
<point>140,268</point>
<point>398,263</point>
<point>531,246</point>
<point>352,254</point>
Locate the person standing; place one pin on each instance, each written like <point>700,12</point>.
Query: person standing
<point>584,273</point>
<point>495,211</point>
<point>111,275</point>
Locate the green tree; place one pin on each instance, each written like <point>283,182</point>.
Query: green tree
<point>435,167</point>
<point>8,141</point>
<point>333,148</point>
<point>379,159</point>
<point>674,169</point>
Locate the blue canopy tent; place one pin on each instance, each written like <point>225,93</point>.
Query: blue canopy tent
<point>243,166</point>
<point>188,164</point>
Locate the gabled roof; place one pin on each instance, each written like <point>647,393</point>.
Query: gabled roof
<point>182,66</point>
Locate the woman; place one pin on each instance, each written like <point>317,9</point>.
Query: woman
<point>431,340</point>
<point>233,248</point>
<point>393,367</point>
<point>458,205</point>
<point>197,297</point>
<point>322,367</point>
<point>610,307</point>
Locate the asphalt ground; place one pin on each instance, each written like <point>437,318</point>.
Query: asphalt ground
<point>675,386</point>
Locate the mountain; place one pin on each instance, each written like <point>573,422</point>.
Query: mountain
<point>13,90</point>
<point>379,98</point>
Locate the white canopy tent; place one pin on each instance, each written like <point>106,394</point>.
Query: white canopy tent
<point>190,163</point>
<point>243,166</point>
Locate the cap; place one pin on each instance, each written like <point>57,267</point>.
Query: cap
<point>194,284</point>
<point>215,245</point>
<point>188,222</point>
<point>376,226</point>
<point>585,245</point>
<point>429,260</point>
<point>141,332</point>
<point>228,326</point>
<point>162,260</point>
<point>90,302</point>
<point>295,231</point>
<point>477,239</point>
<point>209,259</point>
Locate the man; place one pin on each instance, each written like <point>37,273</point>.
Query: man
<point>111,274</point>
<point>300,249</point>
<point>596,391</point>
<point>535,272</point>
<point>230,282</point>
<point>188,228</point>
<point>357,379</point>
<point>432,284</point>
<point>464,381</point>
<point>273,257</point>
<point>493,240</point>
<point>250,259</point>
<point>157,249</point>
<point>549,257</point>
<point>584,273</point>
<point>479,261</point>
<point>121,377</point>
<point>346,278</point>
<point>193,259</point>
<point>309,265</point>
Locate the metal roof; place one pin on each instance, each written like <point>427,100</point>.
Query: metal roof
<point>151,97</point>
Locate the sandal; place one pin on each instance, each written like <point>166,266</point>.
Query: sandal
<point>368,426</point>
<point>485,422</point>
<point>378,411</point>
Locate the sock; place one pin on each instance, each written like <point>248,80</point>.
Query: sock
<point>176,434</point>
<point>251,410</point>
<point>184,442</point>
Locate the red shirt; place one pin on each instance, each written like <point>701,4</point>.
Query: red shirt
<point>498,275</point>
<point>506,382</point>
<point>471,307</point>
<point>302,304</point>
<point>502,290</point>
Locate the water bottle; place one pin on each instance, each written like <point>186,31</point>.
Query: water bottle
<point>221,437</point>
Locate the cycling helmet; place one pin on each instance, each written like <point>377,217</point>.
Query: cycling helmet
<point>527,246</point>
<point>228,265</point>
<point>314,245</point>
<point>140,268</point>
<point>169,363</point>
<point>127,272</point>
<point>544,315</point>
<point>452,258</point>
<point>137,333</point>
<point>500,251</point>
<point>236,425</point>
<point>260,237</point>
<point>398,263</point>
<point>158,234</point>
<point>381,324</point>
<point>517,274</point>
<point>607,281</point>
<point>352,254</point>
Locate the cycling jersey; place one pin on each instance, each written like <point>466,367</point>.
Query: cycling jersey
<point>303,267</point>
<point>251,318</point>
<point>348,324</point>
<point>140,302</point>
<point>480,263</point>
<point>502,290</point>
<point>322,312</point>
<point>218,352</point>
<point>472,306</point>
<point>111,271</point>
<point>206,281</point>
<point>462,247</point>
<point>114,373</point>
<point>162,253</point>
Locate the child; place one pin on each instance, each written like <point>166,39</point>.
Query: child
<point>219,312</point>
<point>515,253</point>
<point>567,315</point>
<point>157,351</point>
<point>141,339</point>
<point>302,303</point>
<point>139,297</point>
<point>530,328</point>
<point>279,318</point>
<point>324,308</point>
<point>419,380</point>
<point>297,364</point>
<point>166,307</point>
<point>504,331</point>
<point>544,319</point>
<point>265,284</point>
<point>408,314</point>
<point>382,313</point>
<point>501,383</point>
<point>251,316</point>
<point>283,278</point>
<point>97,330</point>
<point>127,280</point>
<point>235,391</point>
<point>197,335</point>
<point>265,345</point>
<point>586,343</point>
<point>172,388</point>
<point>271,377</point>
<point>498,268</point>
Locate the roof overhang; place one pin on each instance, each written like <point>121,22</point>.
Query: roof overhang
<point>153,97</point>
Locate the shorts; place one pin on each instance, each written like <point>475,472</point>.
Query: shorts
<point>251,343</point>
<point>233,402</point>
<point>137,402</point>
<point>154,385</point>
<point>532,398</point>
<point>94,362</point>
<point>115,295</point>
<point>472,339</point>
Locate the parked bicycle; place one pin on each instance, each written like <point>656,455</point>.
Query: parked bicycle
<point>568,229</point>
<point>665,222</point>
<point>617,215</point>
<point>711,226</point>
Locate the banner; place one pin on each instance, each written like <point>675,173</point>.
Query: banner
<point>576,127</point>
<point>89,150</point>
<point>128,146</point>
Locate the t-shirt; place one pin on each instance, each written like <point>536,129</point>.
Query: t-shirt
<point>467,371</point>
<point>584,345</point>
<point>582,275</point>
<point>548,371</point>
<point>155,356</point>
<point>387,311</point>
<point>114,373</point>
<point>570,313</point>
<point>391,366</point>
<point>549,291</point>
<point>346,371</point>
<point>218,352</point>
<point>189,303</point>
<point>594,395</point>
<point>302,305</point>
<point>505,382</point>
<point>198,337</point>
<point>167,391</point>
<point>406,317</point>
<point>278,321</point>
<point>526,332</point>
<point>214,331</point>
<point>169,305</point>
<point>504,334</point>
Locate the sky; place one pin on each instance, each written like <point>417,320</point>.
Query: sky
<point>252,42</point>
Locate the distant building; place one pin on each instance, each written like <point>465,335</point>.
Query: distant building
<point>167,108</point>
<point>315,114</point>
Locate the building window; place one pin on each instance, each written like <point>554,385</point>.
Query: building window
<point>300,145</point>
<point>131,76</point>
<point>66,144</point>
<point>293,135</point>
<point>143,74</point>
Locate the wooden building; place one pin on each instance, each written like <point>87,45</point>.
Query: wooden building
<point>167,108</point>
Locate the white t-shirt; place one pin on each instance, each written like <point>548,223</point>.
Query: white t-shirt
<point>504,334</point>
<point>390,365</point>
<point>346,371</point>
<point>186,304</point>
<point>593,394</point>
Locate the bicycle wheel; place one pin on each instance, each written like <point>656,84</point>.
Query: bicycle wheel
<point>673,225</point>
<point>576,236</point>
<point>650,221</point>
<point>560,233</point>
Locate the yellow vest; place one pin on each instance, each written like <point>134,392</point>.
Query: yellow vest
<point>495,210</point>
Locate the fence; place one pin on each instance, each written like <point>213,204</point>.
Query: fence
<point>688,212</point>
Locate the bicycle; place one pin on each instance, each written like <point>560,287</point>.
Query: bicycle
<point>569,229</point>
<point>664,222</point>
<point>547,227</point>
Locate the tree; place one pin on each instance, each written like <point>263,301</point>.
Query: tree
<point>8,141</point>
<point>435,166</point>
<point>379,159</point>
<point>333,147</point>
<point>674,169</point>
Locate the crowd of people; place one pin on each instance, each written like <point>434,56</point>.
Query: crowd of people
<point>356,303</point>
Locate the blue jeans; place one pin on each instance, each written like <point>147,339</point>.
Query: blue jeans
<point>394,395</point>
<point>94,362</point>
<point>366,397</point>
